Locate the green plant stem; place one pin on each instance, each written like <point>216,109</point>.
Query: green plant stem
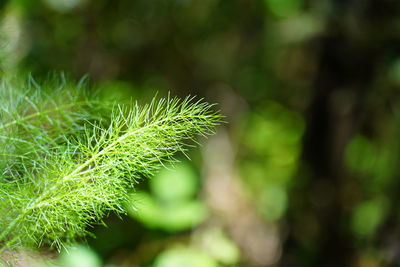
<point>46,112</point>
<point>32,206</point>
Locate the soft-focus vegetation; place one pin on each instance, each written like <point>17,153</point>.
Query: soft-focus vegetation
<point>305,172</point>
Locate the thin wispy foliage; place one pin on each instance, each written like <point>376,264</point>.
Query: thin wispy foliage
<point>67,160</point>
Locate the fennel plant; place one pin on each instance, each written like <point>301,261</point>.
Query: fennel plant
<point>67,160</point>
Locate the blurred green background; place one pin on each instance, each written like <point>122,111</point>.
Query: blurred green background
<point>305,173</point>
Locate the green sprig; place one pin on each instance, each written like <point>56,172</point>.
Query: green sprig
<point>68,160</point>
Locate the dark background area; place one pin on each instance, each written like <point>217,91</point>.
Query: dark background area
<point>305,172</point>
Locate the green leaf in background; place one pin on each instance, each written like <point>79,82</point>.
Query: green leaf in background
<point>80,256</point>
<point>174,216</point>
<point>373,161</point>
<point>65,5</point>
<point>219,246</point>
<point>171,206</point>
<point>368,215</point>
<point>394,72</point>
<point>284,8</point>
<point>175,183</point>
<point>184,257</point>
<point>272,138</point>
<point>274,202</point>
<point>75,256</point>
<point>361,154</point>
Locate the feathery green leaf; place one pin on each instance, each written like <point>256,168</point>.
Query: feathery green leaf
<point>66,161</point>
